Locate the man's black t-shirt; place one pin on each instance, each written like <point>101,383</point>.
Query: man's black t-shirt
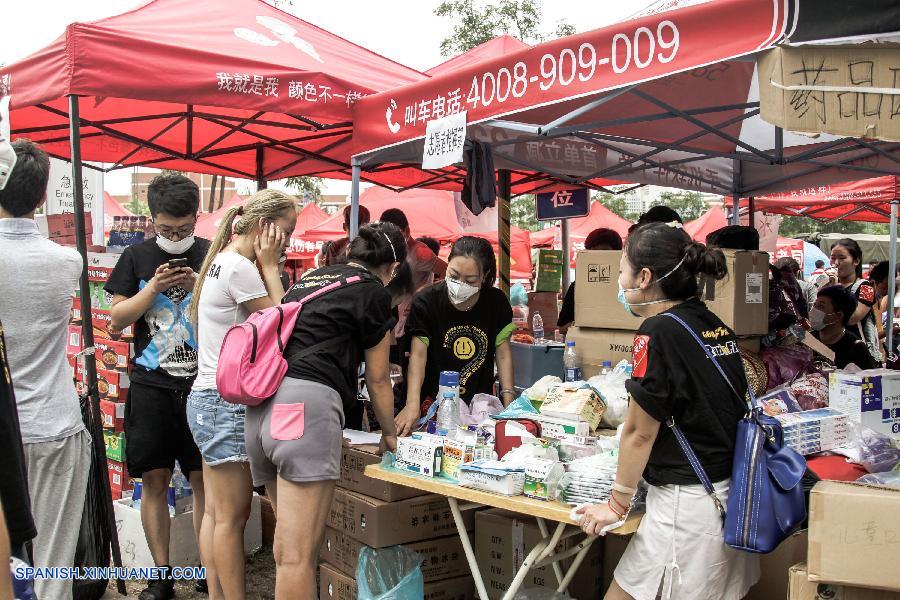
<point>674,378</point>
<point>567,312</point>
<point>359,313</point>
<point>165,347</point>
<point>464,341</point>
<point>850,349</point>
<point>14,479</point>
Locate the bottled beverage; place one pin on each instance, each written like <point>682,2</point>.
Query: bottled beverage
<point>448,414</point>
<point>448,382</point>
<point>572,363</point>
<point>606,369</point>
<point>537,328</point>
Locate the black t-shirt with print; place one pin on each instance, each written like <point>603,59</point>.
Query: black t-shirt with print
<point>358,314</point>
<point>850,349</point>
<point>165,347</point>
<point>463,341</point>
<point>14,482</point>
<point>674,378</point>
<point>567,312</point>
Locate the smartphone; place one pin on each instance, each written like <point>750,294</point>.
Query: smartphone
<point>178,263</point>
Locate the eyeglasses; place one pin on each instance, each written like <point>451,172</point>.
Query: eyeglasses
<point>179,232</point>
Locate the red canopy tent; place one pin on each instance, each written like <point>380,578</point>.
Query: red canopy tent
<point>111,210</point>
<point>208,223</point>
<point>713,219</point>
<point>500,45</point>
<point>866,200</point>
<point>430,213</point>
<point>580,228</point>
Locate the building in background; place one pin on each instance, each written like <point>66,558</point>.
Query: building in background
<point>332,203</point>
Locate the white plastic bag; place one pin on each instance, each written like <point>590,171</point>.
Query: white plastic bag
<point>612,387</point>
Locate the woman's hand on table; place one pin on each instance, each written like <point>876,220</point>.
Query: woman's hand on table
<point>406,419</point>
<point>596,517</point>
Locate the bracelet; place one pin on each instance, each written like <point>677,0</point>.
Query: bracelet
<point>624,508</point>
<point>502,392</point>
<point>615,512</point>
<point>623,489</point>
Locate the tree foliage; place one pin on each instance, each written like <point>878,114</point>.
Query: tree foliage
<point>475,24</point>
<point>794,226</point>
<point>306,188</point>
<point>523,214</point>
<point>615,204</point>
<point>689,205</point>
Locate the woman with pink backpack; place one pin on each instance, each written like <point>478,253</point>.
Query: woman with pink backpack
<point>241,275</point>
<point>294,439</point>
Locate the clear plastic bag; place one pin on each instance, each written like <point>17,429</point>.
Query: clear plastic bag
<point>612,387</point>
<point>890,479</point>
<point>389,574</point>
<point>876,452</point>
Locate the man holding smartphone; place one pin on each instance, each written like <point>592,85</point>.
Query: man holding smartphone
<point>152,287</point>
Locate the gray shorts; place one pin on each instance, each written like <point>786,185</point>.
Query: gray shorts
<point>297,434</point>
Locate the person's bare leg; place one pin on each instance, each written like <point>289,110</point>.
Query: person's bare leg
<point>232,492</point>
<point>616,593</point>
<point>272,493</point>
<point>206,508</point>
<point>155,513</point>
<point>298,536</point>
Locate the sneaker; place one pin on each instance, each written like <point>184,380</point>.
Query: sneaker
<point>201,586</point>
<point>158,589</point>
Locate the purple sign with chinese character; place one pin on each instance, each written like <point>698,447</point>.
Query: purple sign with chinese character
<point>564,204</point>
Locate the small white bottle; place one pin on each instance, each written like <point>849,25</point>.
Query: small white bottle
<point>448,415</point>
<point>572,363</point>
<point>537,328</point>
<point>606,369</point>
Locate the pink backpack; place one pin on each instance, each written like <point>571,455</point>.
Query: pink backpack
<point>252,364</point>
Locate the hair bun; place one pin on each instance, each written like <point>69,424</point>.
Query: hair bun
<point>700,259</point>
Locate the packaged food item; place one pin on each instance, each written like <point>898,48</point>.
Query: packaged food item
<point>493,476</point>
<point>576,402</point>
<point>421,453</point>
<point>542,478</point>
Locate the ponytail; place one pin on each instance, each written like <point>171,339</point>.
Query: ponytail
<point>264,204</point>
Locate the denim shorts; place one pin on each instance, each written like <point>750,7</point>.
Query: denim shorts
<point>217,427</point>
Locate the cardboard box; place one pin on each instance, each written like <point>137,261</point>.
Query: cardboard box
<point>354,461</point>
<point>613,548</point>
<point>774,567</point>
<point>546,303</point>
<point>113,415</point>
<point>111,385</point>
<point>566,401</point>
<point>801,588</point>
<point>379,524</point>
<point>854,535</point>
<point>837,110</point>
<point>334,585</point>
<point>549,271</point>
<point>183,542</point>
<point>870,398</point>
<point>110,355</point>
<point>119,481</point>
<point>503,540</point>
<point>560,428</point>
<point>442,558</point>
<point>595,346</point>
<point>741,300</point>
<point>812,431</point>
<point>115,445</point>
<point>421,454</point>
<point>458,452</point>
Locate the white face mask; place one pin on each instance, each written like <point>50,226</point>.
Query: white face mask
<point>179,247</point>
<point>817,319</point>
<point>8,159</point>
<point>459,292</point>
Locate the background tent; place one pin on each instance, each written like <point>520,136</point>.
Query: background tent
<point>598,217</point>
<point>875,248</point>
<point>430,213</point>
<point>706,223</point>
<point>208,223</point>
<point>500,45</point>
<point>111,210</point>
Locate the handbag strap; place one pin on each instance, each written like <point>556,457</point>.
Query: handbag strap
<point>679,434</point>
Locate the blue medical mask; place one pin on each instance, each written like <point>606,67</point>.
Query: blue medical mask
<point>628,305</point>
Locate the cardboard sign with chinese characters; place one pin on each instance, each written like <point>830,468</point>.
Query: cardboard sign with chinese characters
<point>444,141</point>
<point>61,197</point>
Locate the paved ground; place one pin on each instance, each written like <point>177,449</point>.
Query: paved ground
<point>260,581</point>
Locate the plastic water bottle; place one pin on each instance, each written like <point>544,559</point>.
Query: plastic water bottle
<point>448,382</point>
<point>606,369</point>
<point>448,414</point>
<point>537,328</point>
<point>571,363</point>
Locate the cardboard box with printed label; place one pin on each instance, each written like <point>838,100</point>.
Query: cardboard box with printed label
<point>115,445</point>
<point>113,414</point>
<point>741,300</point>
<point>801,588</point>
<point>442,558</point>
<point>379,524</point>
<point>854,535</point>
<point>111,385</point>
<point>594,346</point>
<point>334,585</point>
<point>774,567</point>
<point>503,540</point>
<point>420,454</point>
<point>119,481</point>
<point>870,398</point>
<point>354,461</point>
<point>547,304</point>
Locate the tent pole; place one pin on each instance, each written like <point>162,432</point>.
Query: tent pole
<point>736,193</point>
<point>504,189</point>
<point>87,334</point>
<point>567,254</point>
<point>261,182</point>
<point>354,197</point>
<point>892,288</point>
<point>752,209</point>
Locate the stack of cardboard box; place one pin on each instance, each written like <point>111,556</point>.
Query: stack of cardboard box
<point>604,331</point>
<point>369,512</point>
<point>113,356</point>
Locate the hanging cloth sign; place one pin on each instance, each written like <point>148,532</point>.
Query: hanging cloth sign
<point>444,141</point>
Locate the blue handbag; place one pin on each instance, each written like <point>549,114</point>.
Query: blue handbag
<point>765,500</point>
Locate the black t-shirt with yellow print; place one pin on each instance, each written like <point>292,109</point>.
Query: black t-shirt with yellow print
<point>457,340</point>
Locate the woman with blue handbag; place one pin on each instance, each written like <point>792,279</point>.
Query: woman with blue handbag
<point>679,550</point>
